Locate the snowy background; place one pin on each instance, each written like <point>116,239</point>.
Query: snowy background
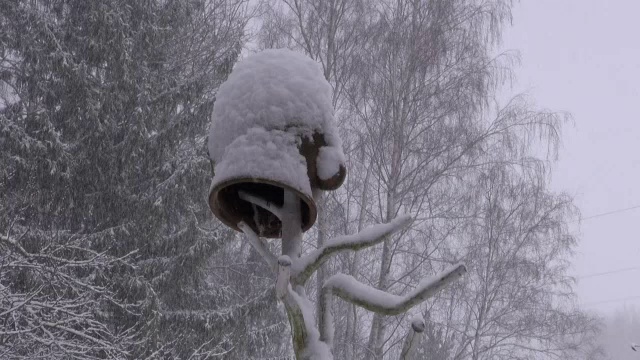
<point>108,248</point>
<point>582,56</point>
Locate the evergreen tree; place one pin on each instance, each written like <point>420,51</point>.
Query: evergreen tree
<point>102,134</point>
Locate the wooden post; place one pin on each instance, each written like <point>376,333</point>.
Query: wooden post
<point>291,249</point>
<point>412,338</point>
<point>291,225</point>
<point>294,271</point>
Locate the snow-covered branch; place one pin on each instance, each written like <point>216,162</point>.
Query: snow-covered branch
<point>256,200</point>
<point>259,245</point>
<point>304,267</point>
<point>349,289</point>
<point>58,313</point>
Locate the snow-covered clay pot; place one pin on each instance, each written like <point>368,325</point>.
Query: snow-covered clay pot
<point>273,129</point>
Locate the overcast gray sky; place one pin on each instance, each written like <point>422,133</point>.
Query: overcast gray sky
<point>583,56</point>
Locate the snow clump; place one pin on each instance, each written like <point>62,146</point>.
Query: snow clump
<point>278,92</point>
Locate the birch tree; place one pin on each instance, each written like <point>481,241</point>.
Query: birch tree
<point>417,103</point>
<point>430,71</point>
<point>518,302</point>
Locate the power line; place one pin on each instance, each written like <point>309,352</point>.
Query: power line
<point>607,272</point>
<point>611,271</point>
<point>609,213</point>
<point>611,301</point>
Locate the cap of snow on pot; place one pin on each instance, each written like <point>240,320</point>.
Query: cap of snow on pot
<point>272,129</point>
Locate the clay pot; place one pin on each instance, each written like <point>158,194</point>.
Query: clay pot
<point>226,205</point>
<point>286,170</point>
<point>310,149</point>
<point>261,163</point>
